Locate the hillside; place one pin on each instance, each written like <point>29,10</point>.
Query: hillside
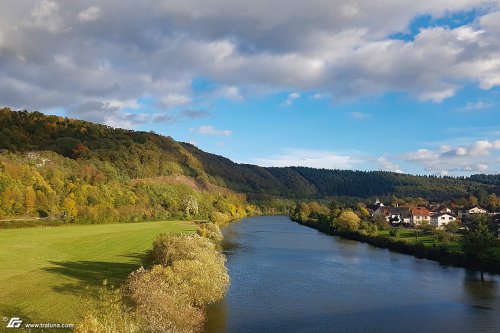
<point>55,165</point>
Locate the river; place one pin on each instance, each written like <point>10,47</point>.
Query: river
<point>286,277</point>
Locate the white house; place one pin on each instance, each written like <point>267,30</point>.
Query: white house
<point>465,213</point>
<point>420,215</point>
<point>442,219</point>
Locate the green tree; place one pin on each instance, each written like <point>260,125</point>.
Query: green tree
<point>381,222</point>
<point>478,242</point>
<point>302,212</point>
<point>453,226</point>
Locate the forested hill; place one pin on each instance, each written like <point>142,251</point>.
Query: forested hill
<point>141,155</point>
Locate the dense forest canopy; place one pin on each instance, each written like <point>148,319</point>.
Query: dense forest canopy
<point>55,165</point>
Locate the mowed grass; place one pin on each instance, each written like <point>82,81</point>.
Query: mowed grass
<point>432,240</point>
<point>49,274</point>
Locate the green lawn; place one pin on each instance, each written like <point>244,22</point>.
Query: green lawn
<point>426,239</point>
<point>45,271</point>
<point>430,240</point>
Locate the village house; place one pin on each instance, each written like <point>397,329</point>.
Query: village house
<point>439,209</point>
<point>398,215</point>
<point>419,215</point>
<point>441,219</point>
<point>467,212</point>
<point>382,211</point>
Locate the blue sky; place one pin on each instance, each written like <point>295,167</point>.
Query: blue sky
<point>401,86</point>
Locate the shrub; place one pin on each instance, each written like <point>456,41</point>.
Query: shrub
<point>205,280</point>
<point>170,247</point>
<point>210,231</point>
<point>369,228</point>
<point>160,306</point>
<point>394,232</point>
<point>109,316</point>
<point>218,218</point>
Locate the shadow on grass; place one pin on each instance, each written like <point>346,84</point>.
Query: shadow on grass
<point>136,256</point>
<point>90,274</point>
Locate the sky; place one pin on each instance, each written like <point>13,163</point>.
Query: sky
<point>396,85</point>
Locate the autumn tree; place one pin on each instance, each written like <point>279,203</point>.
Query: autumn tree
<point>347,221</point>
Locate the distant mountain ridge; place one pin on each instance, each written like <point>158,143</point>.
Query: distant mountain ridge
<point>146,154</point>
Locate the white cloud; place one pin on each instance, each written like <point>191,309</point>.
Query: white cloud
<point>478,105</point>
<point>210,130</point>
<point>478,156</point>
<point>318,96</point>
<point>174,100</point>
<point>125,104</point>
<point>45,15</point>
<point>89,14</point>
<point>231,92</point>
<point>291,98</point>
<point>310,158</point>
<point>386,165</point>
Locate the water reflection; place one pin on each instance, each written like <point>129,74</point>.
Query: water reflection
<point>290,278</point>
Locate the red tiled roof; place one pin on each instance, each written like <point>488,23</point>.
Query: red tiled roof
<point>421,211</point>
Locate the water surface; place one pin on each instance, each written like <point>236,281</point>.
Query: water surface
<point>289,278</point>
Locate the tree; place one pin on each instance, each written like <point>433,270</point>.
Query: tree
<point>347,221</point>
<point>478,242</point>
<point>302,212</point>
<point>493,202</point>
<point>453,226</point>
<point>190,205</point>
<point>30,200</point>
<point>472,201</point>
<point>70,205</point>
<point>381,222</point>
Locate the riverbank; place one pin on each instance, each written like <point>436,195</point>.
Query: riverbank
<point>439,253</point>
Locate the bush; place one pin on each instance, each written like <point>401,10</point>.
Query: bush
<point>109,316</point>
<point>394,232</point>
<point>205,280</point>
<point>168,248</point>
<point>218,218</point>
<point>210,231</point>
<point>187,273</point>
<point>160,306</point>
<point>369,228</point>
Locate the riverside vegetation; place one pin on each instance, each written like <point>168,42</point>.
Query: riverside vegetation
<point>182,274</point>
<point>475,248</point>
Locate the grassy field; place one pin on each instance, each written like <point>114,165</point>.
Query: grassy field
<point>426,239</point>
<point>430,240</point>
<point>45,271</point>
